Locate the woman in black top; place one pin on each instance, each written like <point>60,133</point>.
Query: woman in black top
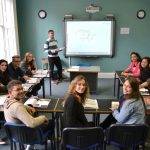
<point>145,73</point>
<point>73,105</point>
<point>4,78</point>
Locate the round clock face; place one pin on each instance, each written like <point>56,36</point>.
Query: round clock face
<point>42,14</point>
<point>141,14</point>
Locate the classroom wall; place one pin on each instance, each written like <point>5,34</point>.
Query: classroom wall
<point>33,30</point>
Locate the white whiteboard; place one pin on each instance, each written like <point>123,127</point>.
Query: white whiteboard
<point>89,38</point>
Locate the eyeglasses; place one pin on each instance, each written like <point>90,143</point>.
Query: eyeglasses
<point>17,61</point>
<point>19,89</point>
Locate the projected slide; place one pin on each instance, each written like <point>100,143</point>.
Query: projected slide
<point>89,38</point>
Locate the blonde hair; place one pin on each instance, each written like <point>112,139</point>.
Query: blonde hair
<point>26,55</point>
<point>72,89</point>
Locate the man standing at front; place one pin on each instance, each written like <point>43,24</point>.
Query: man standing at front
<point>53,58</point>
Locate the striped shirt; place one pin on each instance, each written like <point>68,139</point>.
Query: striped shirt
<point>51,46</point>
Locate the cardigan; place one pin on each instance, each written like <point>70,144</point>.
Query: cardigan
<point>16,112</point>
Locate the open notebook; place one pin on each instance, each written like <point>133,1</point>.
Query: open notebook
<point>91,104</point>
<point>40,103</point>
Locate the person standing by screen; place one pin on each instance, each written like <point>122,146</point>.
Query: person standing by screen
<point>53,58</point>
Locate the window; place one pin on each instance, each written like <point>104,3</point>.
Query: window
<point>8,29</point>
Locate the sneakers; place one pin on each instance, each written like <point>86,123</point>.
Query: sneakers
<point>54,81</point>
<point>2,142</point>
<point>30,147</point>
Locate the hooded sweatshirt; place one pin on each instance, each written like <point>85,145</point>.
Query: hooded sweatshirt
<point>16,112</point>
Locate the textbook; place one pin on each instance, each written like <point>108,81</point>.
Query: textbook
<point>91,103</point>
<point>39,103</point>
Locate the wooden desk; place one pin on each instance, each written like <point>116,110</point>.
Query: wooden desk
<point>90,72</point>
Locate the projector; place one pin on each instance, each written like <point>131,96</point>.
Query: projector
<point>92,9</point>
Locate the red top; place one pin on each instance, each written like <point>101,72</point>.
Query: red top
<point>134,69</point>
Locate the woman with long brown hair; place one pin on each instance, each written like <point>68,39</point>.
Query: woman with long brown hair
<point>145,73</point>
<point>73,105</point>
<point>131,108</point>
<point>4,78</point>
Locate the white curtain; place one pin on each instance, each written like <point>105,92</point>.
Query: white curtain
<point>8,30</point>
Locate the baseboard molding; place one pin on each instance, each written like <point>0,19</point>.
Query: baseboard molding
<point>100,75</point>
<point>106,75</point>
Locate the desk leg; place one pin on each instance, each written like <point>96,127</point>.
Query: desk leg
<point>118,91</point>
<point>58,128</point>
<point>50,84</point>
<point>96,119</point>
<point>43,87</point>
<point>115,85</point>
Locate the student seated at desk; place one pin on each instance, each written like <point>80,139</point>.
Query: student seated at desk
<point>131,109</point>
<point>16,112</point>
<point>73,105</point>
<point>145,73</point>
<point>134,67</point>
<point>28,64</point>
<point>4,78</point>
<point>14,70</point>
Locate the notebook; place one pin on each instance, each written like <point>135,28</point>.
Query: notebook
<point>39,103</point>
<point>91,104</point>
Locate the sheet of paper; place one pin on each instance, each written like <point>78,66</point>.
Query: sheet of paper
<point>91,103</point>
<point>33,80</point>
<point>43,103</point>
<point>31,101</point>
<point>143,90</point>
<point>26,86</point>
<point>2,99</point>
<point>61,48</point>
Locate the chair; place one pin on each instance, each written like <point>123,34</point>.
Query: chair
<point>20,133</point>
<point>127,136</point>
<point>87,138</point>
<point>45,64</point>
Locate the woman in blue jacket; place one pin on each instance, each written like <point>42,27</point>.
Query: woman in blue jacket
<point>131,109</point>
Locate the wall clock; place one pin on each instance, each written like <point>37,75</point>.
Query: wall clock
<point>42,14</point>
<point>141,14</point>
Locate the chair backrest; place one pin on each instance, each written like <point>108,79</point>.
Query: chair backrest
<point>83,138</point>
<point>127,136</point>
<point>24,135</point>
